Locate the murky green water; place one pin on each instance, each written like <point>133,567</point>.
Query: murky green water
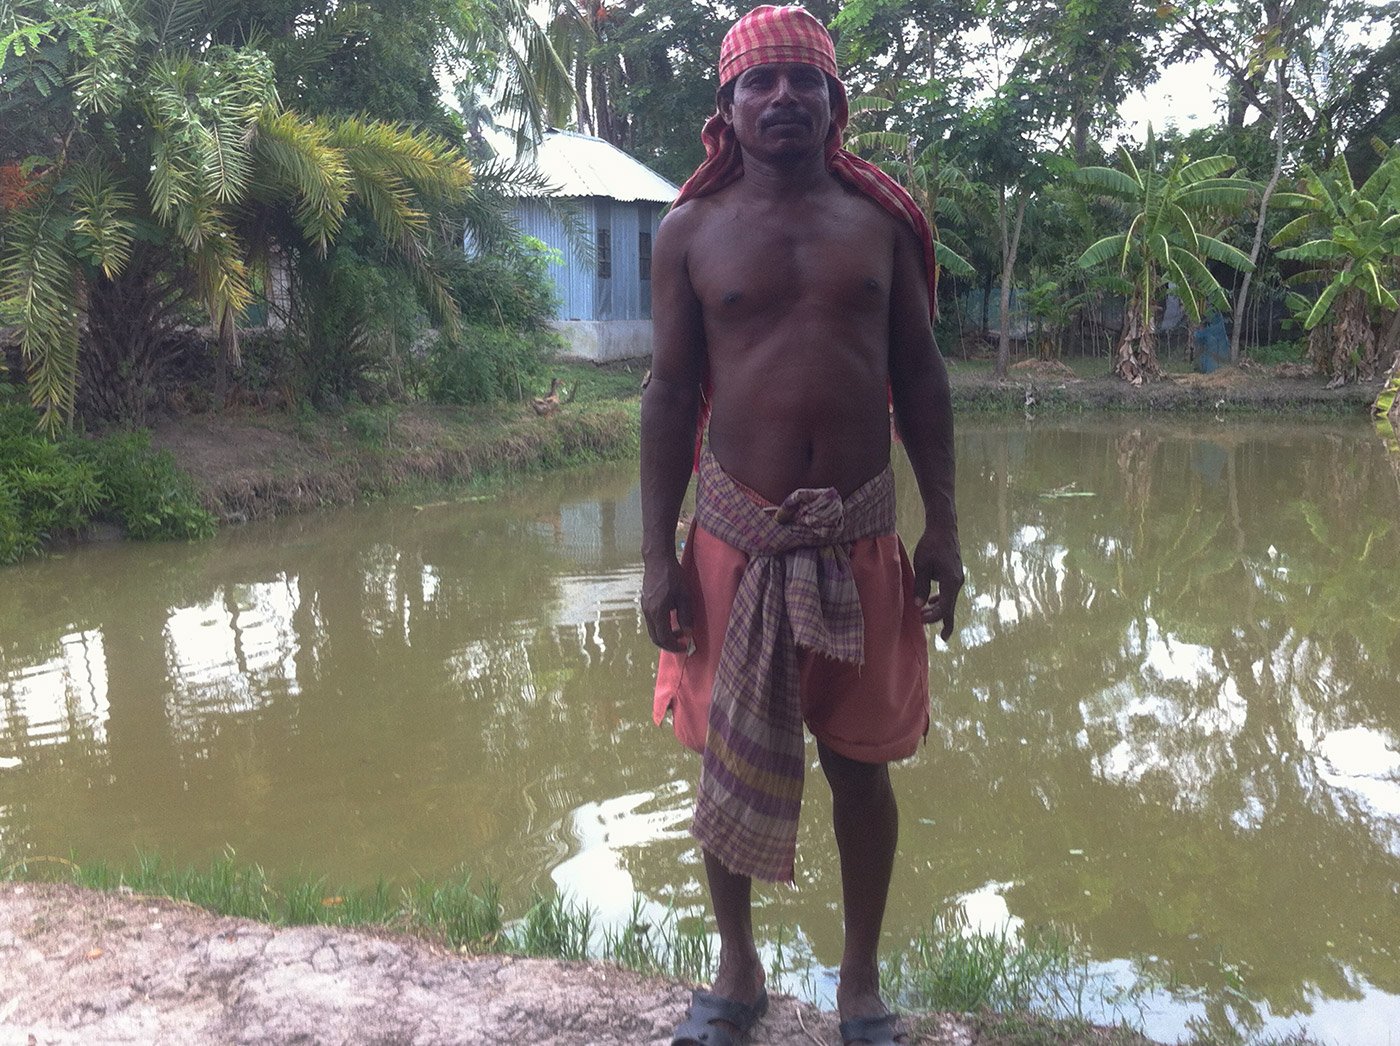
<point>1170,720</point>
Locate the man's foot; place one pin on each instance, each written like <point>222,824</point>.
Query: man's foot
<point>716,1021</point>
<point>865,1017</point>
<point>875,1031</point>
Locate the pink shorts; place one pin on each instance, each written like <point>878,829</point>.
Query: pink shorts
<point>873,713</point>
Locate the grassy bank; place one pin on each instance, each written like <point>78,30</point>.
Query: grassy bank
<point>1082,385</point>
<point>54,489</point>
<point>256,464</point>
<point>1018,990</point>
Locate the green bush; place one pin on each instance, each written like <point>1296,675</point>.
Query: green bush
<point>506,304</point>
<point>482,363</point>
<point>50,488</point>
<point>511,290</point>
<point>355,320</point>
<point>145,492</point>
<point>1278,352</point>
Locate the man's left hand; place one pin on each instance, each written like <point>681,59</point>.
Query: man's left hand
<point>938,560</point>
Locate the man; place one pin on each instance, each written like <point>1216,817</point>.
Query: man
<point>792,297</point>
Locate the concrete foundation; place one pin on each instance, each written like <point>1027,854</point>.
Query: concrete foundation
<point>603,341</point>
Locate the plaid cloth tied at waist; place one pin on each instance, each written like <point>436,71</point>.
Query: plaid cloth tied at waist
<point>796,591</point>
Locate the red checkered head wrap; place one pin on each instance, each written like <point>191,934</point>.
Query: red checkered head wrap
<point>770,35</point>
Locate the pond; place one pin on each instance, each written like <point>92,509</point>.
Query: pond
<point>1169,722</point>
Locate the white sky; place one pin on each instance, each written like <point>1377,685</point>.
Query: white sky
<point>1185,96</point>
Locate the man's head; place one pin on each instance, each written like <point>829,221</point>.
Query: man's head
<point>778,77</point>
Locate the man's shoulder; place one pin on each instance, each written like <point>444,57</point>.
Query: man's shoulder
<point>690,216</point>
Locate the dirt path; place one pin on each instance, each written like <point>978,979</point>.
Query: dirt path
<point>84,967</point>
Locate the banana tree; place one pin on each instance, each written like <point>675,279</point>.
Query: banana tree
<point>1349,236</point>
<point>1164,250</point>
<point>175,171</point>
<point>937,187</point>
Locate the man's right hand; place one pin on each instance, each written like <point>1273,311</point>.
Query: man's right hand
<point>666,605</point>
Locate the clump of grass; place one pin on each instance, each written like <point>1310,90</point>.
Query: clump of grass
<point>462,912</point>
<point>554,928</point>
<point>949,968</point>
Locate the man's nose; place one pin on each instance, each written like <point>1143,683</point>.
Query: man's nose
<point>786,90</point>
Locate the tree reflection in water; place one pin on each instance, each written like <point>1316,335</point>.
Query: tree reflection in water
<point>1169,721</point>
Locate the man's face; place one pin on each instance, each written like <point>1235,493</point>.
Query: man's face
<point>781,110</point>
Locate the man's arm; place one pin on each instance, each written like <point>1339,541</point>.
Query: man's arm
<point>670,404</point>
<point>924,411</point>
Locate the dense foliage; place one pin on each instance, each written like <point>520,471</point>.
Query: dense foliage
<point>49,488</point>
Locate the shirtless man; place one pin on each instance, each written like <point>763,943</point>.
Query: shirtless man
<point>796,308</point>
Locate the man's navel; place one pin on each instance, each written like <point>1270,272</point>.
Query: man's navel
<point>732,297</point>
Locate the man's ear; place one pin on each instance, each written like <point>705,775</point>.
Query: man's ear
<point>724,103</point>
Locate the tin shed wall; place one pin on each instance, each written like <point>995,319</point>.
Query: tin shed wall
<point>584,294</point>
<point>573,277</point>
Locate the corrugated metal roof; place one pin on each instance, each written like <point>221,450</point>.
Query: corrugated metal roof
<point>581,165</point>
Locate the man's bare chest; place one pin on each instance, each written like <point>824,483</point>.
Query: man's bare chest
<point>757,263</point>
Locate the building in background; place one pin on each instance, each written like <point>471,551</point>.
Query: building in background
<point>604,299</point>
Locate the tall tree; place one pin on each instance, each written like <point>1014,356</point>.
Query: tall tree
<point>1338,64</point>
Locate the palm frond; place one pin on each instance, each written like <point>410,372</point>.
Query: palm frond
<point>1214,195</point>
<point>300,159</point>
<point>101,227</point>
<point>876,141</point>
<point>1207,167</point>
<point>1103,250</point>
<point>1200,278</point>
<point>1295,229</point>
<point>1315,250</point>
<point>1220,251</point>
<point>1294,200</point>
<point>1109,180</point>
<point>1185,293</point>
<point>951,260</point>
<point>38,293</point>
<point>1323,305</point>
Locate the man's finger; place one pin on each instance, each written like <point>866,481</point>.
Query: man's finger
<point>947,632</point>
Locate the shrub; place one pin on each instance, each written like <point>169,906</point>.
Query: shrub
<point>484,363</point>
<point>506,303</point>
<point>49,488</point>
<point>145,492</point>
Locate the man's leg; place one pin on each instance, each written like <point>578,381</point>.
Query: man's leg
<point>740,973</point>
<point>866,824</point>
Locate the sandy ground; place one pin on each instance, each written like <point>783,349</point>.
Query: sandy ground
<point>83,967</point>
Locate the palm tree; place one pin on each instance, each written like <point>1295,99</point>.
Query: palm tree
<point>1351,239</point>
<point>532,80</point>
<point>1163,249</point>
<point>175,171</point>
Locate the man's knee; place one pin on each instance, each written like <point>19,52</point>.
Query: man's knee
<point>846,774</point>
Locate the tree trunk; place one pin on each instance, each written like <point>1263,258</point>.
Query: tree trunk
<point>132,332</point>
<point>1010,241</point>
<point>1136,359</point>
<point>1347,348</point>
<point>1237,327</point>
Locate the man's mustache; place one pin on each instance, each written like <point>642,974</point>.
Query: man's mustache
<point>785,118</point>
